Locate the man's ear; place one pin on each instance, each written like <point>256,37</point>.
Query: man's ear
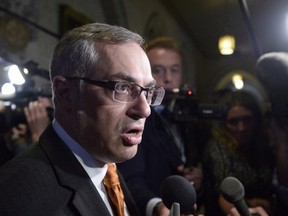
<point>62,89</point>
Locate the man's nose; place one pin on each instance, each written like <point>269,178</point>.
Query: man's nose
<point>141,108</point>
<point>241,126</point>
<point>167,76</point>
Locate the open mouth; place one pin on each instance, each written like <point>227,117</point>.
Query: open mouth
<point>132,137</point>
<point>133,132</point>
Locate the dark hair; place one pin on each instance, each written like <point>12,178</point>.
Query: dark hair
<point>163,42</point>
<point>81,49</point>
<point>246,100</point>
<point>232,99</point>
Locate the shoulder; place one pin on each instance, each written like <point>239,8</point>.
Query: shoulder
<point>26,167</point>
<point>214,145</point>
<point>27,185</point>
<point>216,151</point>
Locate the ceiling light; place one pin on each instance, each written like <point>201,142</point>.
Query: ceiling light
<point>226,44</point>
<point>238,82</point>
<point>15,75</point>
<point>8,89</point>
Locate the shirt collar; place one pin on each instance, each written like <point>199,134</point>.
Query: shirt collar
<point>95,169</point>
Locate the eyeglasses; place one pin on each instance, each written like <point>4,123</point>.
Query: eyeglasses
<point>244,119</point>
<point>127,92</point>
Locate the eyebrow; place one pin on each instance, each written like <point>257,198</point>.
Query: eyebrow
<point>126,77</point>
<point>164,66</point>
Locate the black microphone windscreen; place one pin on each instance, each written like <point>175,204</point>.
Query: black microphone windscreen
<point>272,72</point>
<point>177,189</point>
<point>232,189</point>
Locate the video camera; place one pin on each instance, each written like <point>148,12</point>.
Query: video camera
<point>186,108</point>
<point>12,110</point>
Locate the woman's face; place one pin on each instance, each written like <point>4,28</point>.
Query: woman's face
<point>241,122</point>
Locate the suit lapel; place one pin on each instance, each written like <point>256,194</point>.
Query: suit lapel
<point>71,175</point>
<point>82,201</point>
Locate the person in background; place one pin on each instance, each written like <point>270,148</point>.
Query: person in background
<point>5,152</point>
<point>240,147</point>
<point>166,146</point>
<point>102,89</point>
<point>38,114</point>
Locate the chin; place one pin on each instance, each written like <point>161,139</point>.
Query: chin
<point>130,152</point>
<point>123,159</point>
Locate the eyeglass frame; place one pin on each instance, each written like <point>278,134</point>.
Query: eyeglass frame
<point>111,84</point>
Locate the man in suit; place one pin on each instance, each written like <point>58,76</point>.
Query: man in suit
<point>165,149</point>
<point>102,92</point>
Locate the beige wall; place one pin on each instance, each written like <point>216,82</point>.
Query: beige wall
<point>147,17</point>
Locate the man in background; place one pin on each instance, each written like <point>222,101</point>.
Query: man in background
<point>167,147</point>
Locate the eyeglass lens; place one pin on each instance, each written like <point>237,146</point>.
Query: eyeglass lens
<point>129,92</point>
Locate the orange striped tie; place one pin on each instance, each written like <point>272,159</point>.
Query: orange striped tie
<point>112,184</point>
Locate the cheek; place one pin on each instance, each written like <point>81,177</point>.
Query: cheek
<point>103,113</point>
<point>105,116</point>
<point>159,80</point>
<point>95,103</point>
<point>178,79</point>
<point>231,129</point>
<point>102,124</point>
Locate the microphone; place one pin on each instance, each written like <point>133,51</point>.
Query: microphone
<point>178,190</point>
<point>272,72</point>
<point>233,191</point>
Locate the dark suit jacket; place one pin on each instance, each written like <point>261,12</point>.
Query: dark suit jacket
<point>49,180</point>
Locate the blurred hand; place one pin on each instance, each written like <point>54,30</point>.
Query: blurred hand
<point>18,134</point>
<point>192,174</point>
<point>163,211</point>
<point>254,210</point>
<point>37,119</point>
